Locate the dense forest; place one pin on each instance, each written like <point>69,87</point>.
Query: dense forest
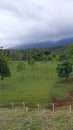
<point>40,54</point>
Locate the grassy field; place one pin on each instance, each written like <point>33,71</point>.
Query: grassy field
<point>34,84</point>
<point>19,119</point>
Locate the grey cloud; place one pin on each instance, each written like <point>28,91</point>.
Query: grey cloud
<point>9,8</point>
<point>34,20</point>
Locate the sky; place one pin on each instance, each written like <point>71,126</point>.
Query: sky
<point>31,21</point>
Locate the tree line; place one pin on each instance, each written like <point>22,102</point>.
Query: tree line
<point>63,56</point>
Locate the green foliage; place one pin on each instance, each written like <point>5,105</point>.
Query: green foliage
<point>69,51</point>
<point>31,61</point>
<point>57,57</point>
<point>4,70</point>
<point>20,67</point>
<point>64,69</point>
<point>62,57</point>
<point>24,55</point>
<point>35,126</point>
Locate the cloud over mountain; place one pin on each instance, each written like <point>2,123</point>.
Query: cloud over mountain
<point>28,21</point>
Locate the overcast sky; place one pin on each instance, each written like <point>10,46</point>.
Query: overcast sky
<point>25,21</point>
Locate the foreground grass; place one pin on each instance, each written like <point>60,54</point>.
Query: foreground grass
<point>33,85</point>
<point>19,119</point>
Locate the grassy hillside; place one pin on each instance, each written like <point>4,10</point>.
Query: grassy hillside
<point>19,119</point>
<point>34,84</point>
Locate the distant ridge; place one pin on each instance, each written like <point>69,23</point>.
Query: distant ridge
<point>44,44</point>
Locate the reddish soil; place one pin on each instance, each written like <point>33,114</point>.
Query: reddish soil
<point>64,102</point>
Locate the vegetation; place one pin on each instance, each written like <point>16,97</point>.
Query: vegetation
<point>40,87</point>
<point>20,67</point>
<point>19,119</point>
<point>31,89</point>
<point>33,84</point>
<point>36,53</point>
<point>31,61</point>
<point>64,69</point>
<point>4,70</point>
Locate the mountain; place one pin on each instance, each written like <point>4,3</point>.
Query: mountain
<point>61,42</point>
<point>65,41</point>
<point>36,45</point>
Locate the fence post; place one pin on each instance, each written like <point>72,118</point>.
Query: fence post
<point>24,105</point>
<point>53,107</point>
<point>38,105</point>
<point>70,109</point>
<point>12,104</point>
<point>27,109</point>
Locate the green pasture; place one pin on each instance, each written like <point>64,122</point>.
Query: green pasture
<point>35,84</point>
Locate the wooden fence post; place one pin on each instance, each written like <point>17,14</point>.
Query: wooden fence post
<point>12,104</point>
<point>27,109</point>
<point>38,105</point>
<point>70,109</point>
<point>53,107</point>
<point>24,105</point>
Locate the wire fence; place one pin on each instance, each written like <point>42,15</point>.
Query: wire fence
<point>51,106</point>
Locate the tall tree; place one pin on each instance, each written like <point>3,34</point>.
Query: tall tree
<point>4,69</point>
<point>64,69</point>
<point>31,61</point>
<point>20,67</point>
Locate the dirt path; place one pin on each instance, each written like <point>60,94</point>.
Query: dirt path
<point>64,102</point>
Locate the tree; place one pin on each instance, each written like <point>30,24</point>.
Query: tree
<point>64,69</point>
<point>21,67</point>
<point>46,57</point>
<point>62,57</point>
<point>31,61</point>
<point>4,70</point>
